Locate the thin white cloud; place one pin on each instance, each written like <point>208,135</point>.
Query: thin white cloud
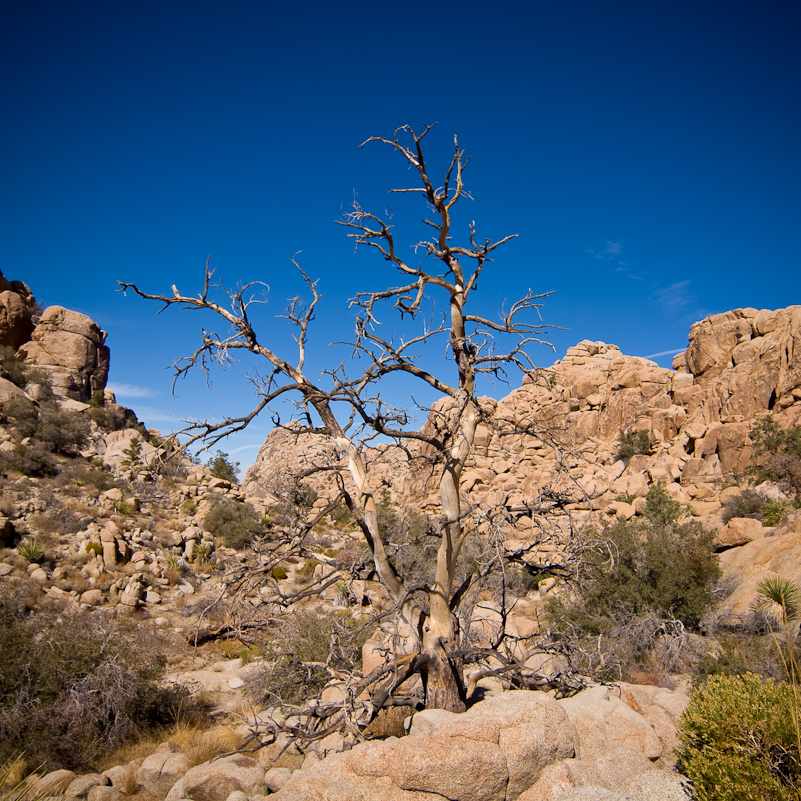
<point>666,353</point>
<point>613,248</point>
<point>675,297</point>
<point>130,390</point>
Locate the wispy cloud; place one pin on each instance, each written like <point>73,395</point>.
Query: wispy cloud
<point>675,298</point>
<point>610,253</point>
<point>130,390</point>
<point>666,353</point>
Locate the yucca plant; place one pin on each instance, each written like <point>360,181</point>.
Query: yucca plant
<point>773,512</point>
<point>779,600</point>
<point>31,550</point>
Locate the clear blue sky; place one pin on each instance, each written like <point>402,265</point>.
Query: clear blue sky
<point>647,154</point>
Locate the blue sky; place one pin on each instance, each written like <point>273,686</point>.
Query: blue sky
<point>647,155</point>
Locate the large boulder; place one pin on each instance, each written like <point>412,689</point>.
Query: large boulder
<point>215,781</point>
<point>70,348</point>
<point>17,305</point>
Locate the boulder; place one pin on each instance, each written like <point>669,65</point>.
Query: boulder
<point>215,781</point>
<point>80,787</point>
<point>160,771</point>
<point>738,531</point>
<point>54,783</point>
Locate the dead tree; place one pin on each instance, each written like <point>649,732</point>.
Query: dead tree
<point>447,279</point>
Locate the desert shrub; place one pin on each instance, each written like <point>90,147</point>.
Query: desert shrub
<point>61,431</point>
<point>113,417</point>
<point>278,573</point>
<point>744,649</point>
<point>777,454</point>
<point>82,474</point>
<point>640,569</point>
<point>749,503</point>
<point>738,740</point>
<point>12,367</point>
<point>660,509</point>
<point>236,523</point>
<point>222,467</point>
<point>342,516</point>
<point>295,657</point>
<point>631,443</point>
<point>33,459</point>
<point>74,685</point>
<point>641,586</point>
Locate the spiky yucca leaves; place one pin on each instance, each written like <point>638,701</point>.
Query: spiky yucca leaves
<point>779,599</point>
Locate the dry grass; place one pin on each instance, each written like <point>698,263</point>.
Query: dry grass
<point>203,745</point>
<point>198,743</point>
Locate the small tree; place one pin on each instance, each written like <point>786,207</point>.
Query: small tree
<point>427,613</point>
<point>222,467</point>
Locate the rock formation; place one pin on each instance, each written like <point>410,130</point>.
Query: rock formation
<point>17,308</point>
<point>70,348</point>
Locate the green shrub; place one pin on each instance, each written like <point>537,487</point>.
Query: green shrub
<point>12,367</point>
<point>235,522</point>
<point>98,399</point>
<point>749,503</point>
<point>738,740</point>
<point>123,508</point>
<point>278,573</point>
<point>221,467</point>
<point>660,508</point>
<point>657,566</point>
<point>631,443</point>
<point>777,454</point>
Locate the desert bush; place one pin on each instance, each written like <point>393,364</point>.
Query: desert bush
<point>744,649</point>
<point>777,454</point>
<point>12,367</point>
<point>738,740</point>
<point>73,686</point>
<point>236,523</point>
<point>294,659</point>
<point>640,569</point>
<point>114,418</point>
<point>749,503</point>
<point>631,443</point>
<point>641,587</point>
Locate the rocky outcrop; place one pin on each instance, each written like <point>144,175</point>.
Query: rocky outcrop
<point>513,745</point>
<point>17,307</point>
<point>738,366</point>
<point>70,348</point>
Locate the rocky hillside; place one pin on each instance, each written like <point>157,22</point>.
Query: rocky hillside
<point>739,366</point>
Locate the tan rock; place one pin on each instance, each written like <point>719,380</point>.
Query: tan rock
<point>215,781</point>
<point>739,531</point>
<point>159,772</point>
<point>54,783</point>
<point>80,786</point>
